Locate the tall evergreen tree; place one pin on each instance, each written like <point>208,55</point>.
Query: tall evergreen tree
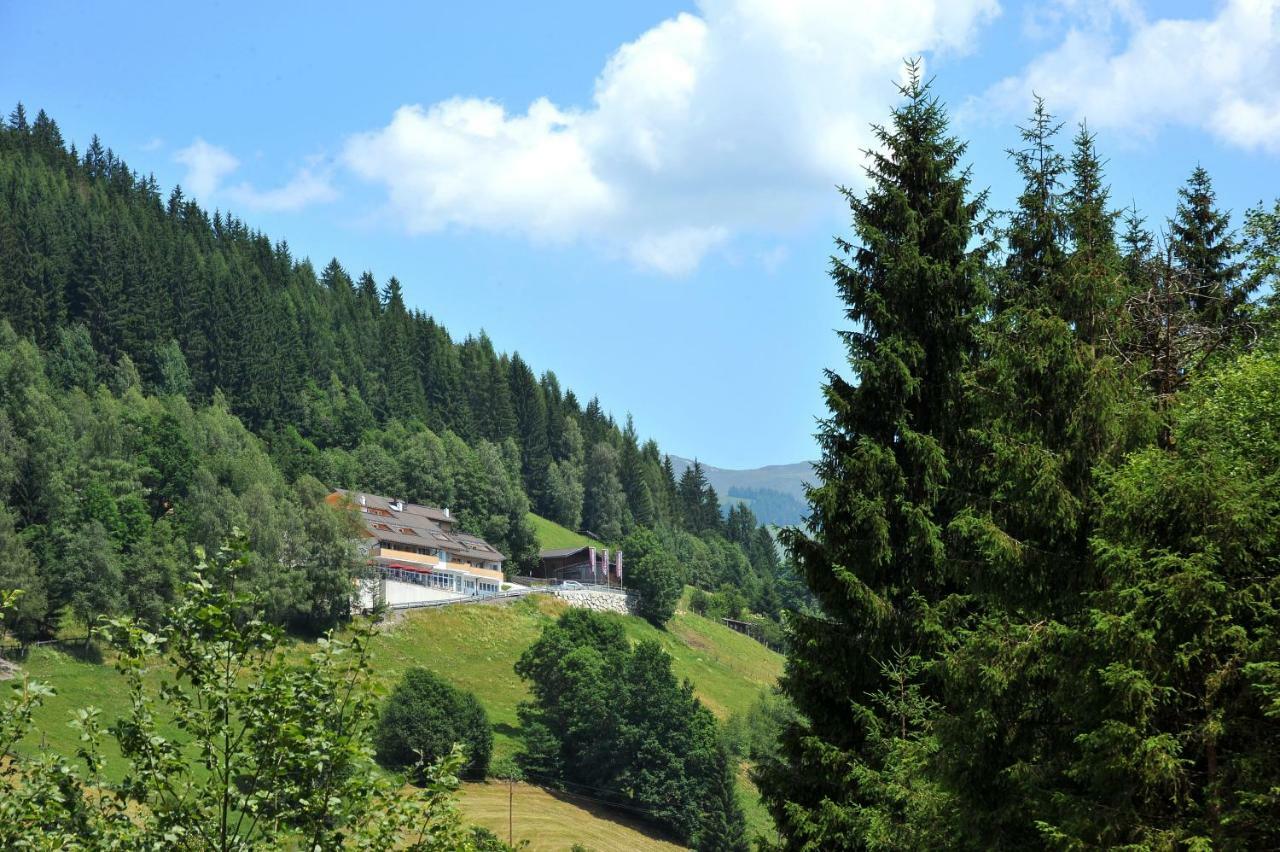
<point>530,409</point>
<point>639,497</point>
<point>699,505</point>
<point>604,504</point>
<point>1095,282</point>
<point>397,350</point>
<point>1037,227</point>
<point>1044,400</point>
<point>18,119</point>
<point>1205,251</point>
<point>874,553</point>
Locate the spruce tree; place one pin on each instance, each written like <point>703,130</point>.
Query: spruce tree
<point>530,411</point>
<point>1175,707</point>
<point>874,553</point>
<point>1037,225</point>
<point>1044,401</point>
<point>696,498</point>
<point>604,505</point>
<point>1205,251</point>
<point>18,120</point>
<point>639,497</point>
<point>400,378</point>
<point>1095,285</point>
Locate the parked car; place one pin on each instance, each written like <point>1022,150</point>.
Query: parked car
<point>572,584</point>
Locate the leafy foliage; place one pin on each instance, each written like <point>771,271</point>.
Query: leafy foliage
<point>613,721</point>
<point>425,717</point>
<point>654,575</point>
<point>272,753</point>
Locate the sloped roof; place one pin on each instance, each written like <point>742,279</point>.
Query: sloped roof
<point>563,552</point>
<point>417,526</point>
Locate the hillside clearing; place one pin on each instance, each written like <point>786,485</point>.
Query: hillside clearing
<point>474,647</point>
<point>551,820</point>
<point>552,536</point>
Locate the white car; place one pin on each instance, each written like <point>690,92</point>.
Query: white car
<point>572,584</point>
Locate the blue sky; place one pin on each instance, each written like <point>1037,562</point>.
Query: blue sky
<point>636,195</point>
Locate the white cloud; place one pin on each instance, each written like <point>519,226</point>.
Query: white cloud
<point>480,168</point>
<point>310,185</point>
<point>208,166</point>
<point>739,118</point>
<point>1134,75</point>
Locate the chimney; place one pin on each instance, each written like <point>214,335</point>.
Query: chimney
<point>362,500</point>
<point>396,505</point>
<point>446,511</point>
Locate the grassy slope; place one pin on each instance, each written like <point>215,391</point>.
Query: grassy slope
<point>552,536</point>
<point>474,647</point>
<point>555,821</point>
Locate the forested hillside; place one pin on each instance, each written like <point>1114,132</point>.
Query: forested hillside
<point>170,374</point>
<point>774,493</point>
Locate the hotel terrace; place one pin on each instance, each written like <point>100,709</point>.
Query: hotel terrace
<point>419,545</point>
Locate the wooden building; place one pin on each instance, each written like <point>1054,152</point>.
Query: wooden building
<point>584,564</point>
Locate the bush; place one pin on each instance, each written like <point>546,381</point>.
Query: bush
<point>424,717</point>
<point>731,602</point>
<point>654,575</point>
<point>615,719</point>
<point>699,602</point>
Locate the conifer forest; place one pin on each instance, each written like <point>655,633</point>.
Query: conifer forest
<point>1033,603</point>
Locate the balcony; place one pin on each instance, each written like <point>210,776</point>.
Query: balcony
<point>407,556</point>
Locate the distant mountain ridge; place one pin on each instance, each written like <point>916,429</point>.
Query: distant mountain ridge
<point>774,492</point>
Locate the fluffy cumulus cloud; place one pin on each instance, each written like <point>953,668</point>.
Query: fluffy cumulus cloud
<point>738,118</point>
<point>1135,74</point>
<point>208,167</point>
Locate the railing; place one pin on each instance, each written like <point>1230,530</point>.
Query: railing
<point>558,586</point>
<point>12,650</point>
<point>468,599</point>
<point>536,586</point>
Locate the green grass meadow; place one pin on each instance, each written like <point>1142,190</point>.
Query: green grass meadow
<point>475,648</point>
<point>552,536</point>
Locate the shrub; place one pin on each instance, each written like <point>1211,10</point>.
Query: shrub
<point>654,575</point>
<point>424,717</point>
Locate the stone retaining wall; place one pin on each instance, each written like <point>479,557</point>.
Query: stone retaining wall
<point>598,601</point>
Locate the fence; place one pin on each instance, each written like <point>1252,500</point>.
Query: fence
<point>471,599</point>
<point>542,584</point>
<point>536,586</point>
<point>11,650</point>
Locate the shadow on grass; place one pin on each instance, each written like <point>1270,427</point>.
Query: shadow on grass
<point>84,652</point>
<point>621,814</point>
<point>513,731</point>
<point>77,649</point>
